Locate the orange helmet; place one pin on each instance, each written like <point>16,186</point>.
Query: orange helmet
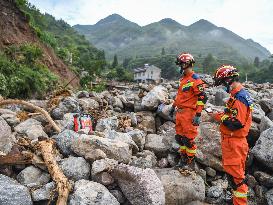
<point>185,60</point>
<point>225,74</point>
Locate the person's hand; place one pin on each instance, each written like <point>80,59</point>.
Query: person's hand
<point>196,120</point>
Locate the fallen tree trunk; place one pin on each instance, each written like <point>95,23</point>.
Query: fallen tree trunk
<point>34,107</point>
<point>46,147</point>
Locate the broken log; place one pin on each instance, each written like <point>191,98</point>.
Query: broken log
<point>46,147</point>
<point>34,107</point>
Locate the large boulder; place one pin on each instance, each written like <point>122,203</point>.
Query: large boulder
<point>181,189</point>
<point>67,105</point>
<point>33,177</point>
<point>11,119</point>
<point>6,139</point>
<point>146,121</point>
<point>164,111</point>
<point>113,149</point>
<point>168,128</point>
<point>13,193</point>
<point>269,197</point>
<point>220,97</point>
<point>88,192</point>
<point>31,128</point>
<point>65,139</point>
<point>263,149</point>
<point>88,104</point>
<point>209,145</point>
<point>257,113</point>
<point>104,124</point>
<point>75,168</point>
<point>264,179</point>
<point>43,193</point>
<point>159,144</point>
<point>265,124</point>
<point>103,165</point>
<point>156,96</point>
<point>140,186</point>
<point>123,137</point>
<point>138,136</point>
<point>145,159</point>
<point>254,134</point>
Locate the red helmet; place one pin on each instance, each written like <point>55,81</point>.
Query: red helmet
<point>185,60</point>
<point>225,74</point>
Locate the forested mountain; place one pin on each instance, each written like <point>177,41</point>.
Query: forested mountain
<point>127,39</point>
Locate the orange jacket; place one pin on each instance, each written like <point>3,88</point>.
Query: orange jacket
<point>236,118</point>
<point>191,93</point>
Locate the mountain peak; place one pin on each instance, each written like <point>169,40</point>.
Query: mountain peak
<point>110,19</point>
<point>202,24</point>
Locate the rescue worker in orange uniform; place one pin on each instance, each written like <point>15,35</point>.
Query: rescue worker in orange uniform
<point>235,124</point>
<point>189,103</point>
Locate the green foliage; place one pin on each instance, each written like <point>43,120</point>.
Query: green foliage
<point>73,48</point>
<point>209,64</point>
<point>22,76</point>
<point>257,62</point>
<point>99,87</point>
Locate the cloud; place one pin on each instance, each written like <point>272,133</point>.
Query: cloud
<point>247,18</point>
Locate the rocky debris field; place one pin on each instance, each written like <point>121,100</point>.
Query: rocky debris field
<point>127,158</point>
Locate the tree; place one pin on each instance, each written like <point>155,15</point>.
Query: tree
<point>115,62</point>
<point>207,63</point>
<point>256,62</point>
<point>163,51</point>
<point>126,62</point>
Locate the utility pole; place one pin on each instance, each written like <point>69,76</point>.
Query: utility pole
<point>246,77</point>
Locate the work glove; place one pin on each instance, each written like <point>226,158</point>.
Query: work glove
<point>197,119</point>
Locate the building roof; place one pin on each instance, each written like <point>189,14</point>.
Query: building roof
<point>143,69</point>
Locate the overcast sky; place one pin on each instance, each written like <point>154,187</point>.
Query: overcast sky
<point>247,18</point>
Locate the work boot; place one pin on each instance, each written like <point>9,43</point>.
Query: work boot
<point>189,165</point>
<point>181,163</point>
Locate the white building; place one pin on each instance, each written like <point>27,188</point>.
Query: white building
<point>149,73</point>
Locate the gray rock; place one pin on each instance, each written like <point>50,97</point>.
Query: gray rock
<point>251,181</point>
<point>119,196</point>
<point>257,113</point>
<point>269,197</point>
<point>179,188</point>
<point>263,149</point>
<point>110,123</point>
<point>103,165</point>
<point>163,163</point>
<point>215,192</point>
<point>145,159</point>
<point>88,192</point>
<point>68,105</point>
<point>39,103</point>
<point>65,139</point>
<point>94,155</point>
<point>123,137</point>
<point>164,111</point>
<point>11,119</point>
<point>146,121</point>
<point>82,94</point>
<point>33,177</point>
<point>75,168</point>
<point>43,193</point>
<point>254,134</point>
<point>117,102</point>
<point>264,179</point>
<point>103,178</point>
<point>88,104</point>
<point>13,193</point>
<point>270,115</point>
<point>31,128</point>
<point>211,172</point>
<point>266,106</point>
<point>6,111</point>
<point>133,119</point>
<point>159,144</point>
<point>113,149</point>
<point>209,145</point>
<point>156,96</point>
<point>140,186</point>
<point>168,129</point>
<point>220,96</point>
<point>265,124</point>
<point>138,136</point>
<point>6,139</point>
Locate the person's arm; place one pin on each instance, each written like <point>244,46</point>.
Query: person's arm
<point>199,90</point>
<point>239,116</point>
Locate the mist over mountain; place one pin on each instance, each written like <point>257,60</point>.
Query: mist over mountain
<point>116,34</point>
